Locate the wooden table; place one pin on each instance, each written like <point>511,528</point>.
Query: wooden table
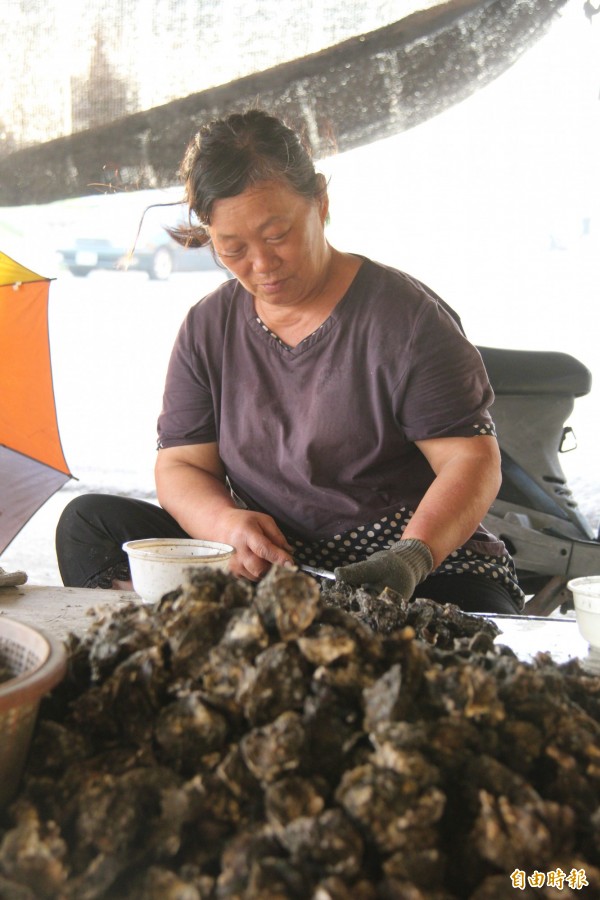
<point>60,610</point>
<point>557,635</point>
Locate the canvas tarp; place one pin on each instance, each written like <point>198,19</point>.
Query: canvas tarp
<point>344,73</point>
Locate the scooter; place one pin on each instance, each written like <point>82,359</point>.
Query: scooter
<point>535,513</point>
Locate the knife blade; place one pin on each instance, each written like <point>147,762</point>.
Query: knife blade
<point>520,618</point>
<point>318,573</point>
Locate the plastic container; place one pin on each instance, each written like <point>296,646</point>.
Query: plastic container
<point>586,600</point>
<point>158,565</point>
<point>39,663</point>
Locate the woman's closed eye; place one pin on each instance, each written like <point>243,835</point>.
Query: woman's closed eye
<point>275,238</point>
<point>237,252</point>
<point>231,252</point>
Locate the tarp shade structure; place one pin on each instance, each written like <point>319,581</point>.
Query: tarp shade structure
<point>371,85</point>
<point>32,463</point>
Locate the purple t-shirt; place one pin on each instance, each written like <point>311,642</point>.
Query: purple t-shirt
<point>321,436</point>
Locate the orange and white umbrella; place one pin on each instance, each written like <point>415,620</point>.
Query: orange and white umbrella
<point>32,463</point>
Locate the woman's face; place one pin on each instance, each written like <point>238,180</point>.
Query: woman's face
<point>272,239</point>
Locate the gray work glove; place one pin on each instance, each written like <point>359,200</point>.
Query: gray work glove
<point>401,567</point>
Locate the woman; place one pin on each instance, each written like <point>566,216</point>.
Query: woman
<point>318,408</point>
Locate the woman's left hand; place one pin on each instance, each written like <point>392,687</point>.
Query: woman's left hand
<point>405,565</point>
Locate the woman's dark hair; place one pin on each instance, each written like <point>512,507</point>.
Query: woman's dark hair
<point>227,156</point>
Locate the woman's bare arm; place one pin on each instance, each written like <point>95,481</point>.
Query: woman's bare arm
<point>191,486</point>
<point>467,480</point>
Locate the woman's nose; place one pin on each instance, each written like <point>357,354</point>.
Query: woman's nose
<point>264,260</point>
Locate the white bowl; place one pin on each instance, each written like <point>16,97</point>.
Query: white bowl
<point>158,565</point>
<point>586,600</point>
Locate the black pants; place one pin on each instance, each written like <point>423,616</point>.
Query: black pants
<point>93,528</point>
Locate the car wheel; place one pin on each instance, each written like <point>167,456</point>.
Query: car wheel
<point>161,265</point>
<point>80,271</point>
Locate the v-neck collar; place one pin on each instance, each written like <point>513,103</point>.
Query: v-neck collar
<point>283,343</point>
<point>307,343</point>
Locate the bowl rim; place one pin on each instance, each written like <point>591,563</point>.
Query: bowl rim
<point>145,548</point>
<point>579,585</point>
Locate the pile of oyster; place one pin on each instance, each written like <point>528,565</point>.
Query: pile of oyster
<point>283,741</point>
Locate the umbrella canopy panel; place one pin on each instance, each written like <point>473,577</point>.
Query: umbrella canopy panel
<point>32,463</point>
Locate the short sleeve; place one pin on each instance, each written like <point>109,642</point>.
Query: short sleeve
<point>445,391</point>
<point>187,415</point>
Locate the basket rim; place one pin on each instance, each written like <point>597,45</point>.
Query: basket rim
<point>30,686</point>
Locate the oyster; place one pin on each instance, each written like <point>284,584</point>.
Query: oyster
<point>293,797</point>
<point>391,808</point>
<point>328,841</point>
<point>33,854</point>
<point>287,602</point>
<point>276,748</point>
<point>186,731</point>
<point>278,682</point>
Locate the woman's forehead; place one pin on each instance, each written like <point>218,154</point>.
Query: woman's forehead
<point>258,206</point>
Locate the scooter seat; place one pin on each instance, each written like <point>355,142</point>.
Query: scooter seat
<point>535,372</point>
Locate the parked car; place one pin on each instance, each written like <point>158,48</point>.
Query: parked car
<point>105,236</point>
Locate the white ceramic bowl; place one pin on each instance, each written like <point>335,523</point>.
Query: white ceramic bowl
<point>158,564</point>
<point>586,600</point>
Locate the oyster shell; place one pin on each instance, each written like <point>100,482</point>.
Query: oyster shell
<point>276,748</point>
<point>287,601</point>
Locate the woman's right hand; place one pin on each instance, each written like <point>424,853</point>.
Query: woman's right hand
<point>191,485</point>
<point>257,540</point>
